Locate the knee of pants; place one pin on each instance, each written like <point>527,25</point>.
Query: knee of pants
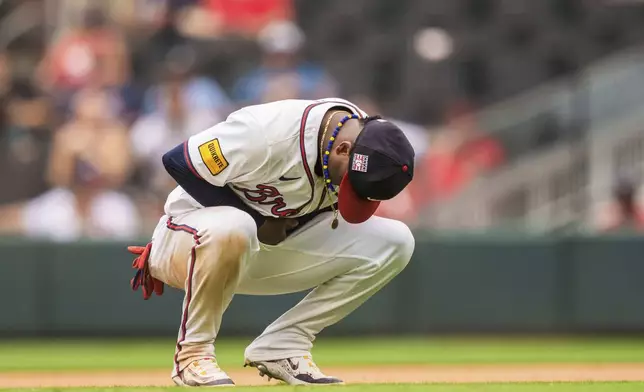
<point>399,244</point>
<point>230,227</point>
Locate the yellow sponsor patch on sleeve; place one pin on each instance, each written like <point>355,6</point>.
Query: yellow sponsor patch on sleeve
<point>212,156</point>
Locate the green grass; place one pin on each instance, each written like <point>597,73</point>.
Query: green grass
<point>531,387</point>
<point>72,355</point>
<point>29,355</point>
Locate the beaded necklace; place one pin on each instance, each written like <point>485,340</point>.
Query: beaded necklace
<point>325,160</point>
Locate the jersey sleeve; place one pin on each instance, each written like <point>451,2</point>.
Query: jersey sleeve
<point>232,151</point>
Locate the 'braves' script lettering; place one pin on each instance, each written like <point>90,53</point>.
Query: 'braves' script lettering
<point>268,195</point>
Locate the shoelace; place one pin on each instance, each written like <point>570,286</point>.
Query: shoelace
<point>311,365</point>
<point>207,364</point>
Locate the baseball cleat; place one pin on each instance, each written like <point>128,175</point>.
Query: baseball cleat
<point>203,373</point>
<point>294,371</point>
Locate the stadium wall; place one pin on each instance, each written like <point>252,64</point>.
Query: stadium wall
<point>471,284</point>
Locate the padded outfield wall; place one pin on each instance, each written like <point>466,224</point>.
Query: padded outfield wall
<point>455,283</point>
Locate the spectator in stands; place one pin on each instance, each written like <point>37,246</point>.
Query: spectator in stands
<point>25,136</point>
<point>459,154</point>
<point>159,25</point>
<point>91,54</point>
<point>623,213</point>
<point>91,141</point>
<point>248,17</point>
<point>137,15</point>
<point>199,93</point>
<point>282,75</point>
<point>5,73</point>
<point>89,161</point>
<point>5,86</point>
<point>195,20</point>
<point>176,115</point>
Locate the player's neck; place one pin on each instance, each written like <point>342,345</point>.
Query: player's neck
<point>329,121</point>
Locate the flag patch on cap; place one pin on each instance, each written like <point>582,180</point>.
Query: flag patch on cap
<point>360,163</point>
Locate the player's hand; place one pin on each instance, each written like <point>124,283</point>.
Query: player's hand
<point>273,231</point>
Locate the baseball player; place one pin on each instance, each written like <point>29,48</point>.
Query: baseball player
<point>278,199</point>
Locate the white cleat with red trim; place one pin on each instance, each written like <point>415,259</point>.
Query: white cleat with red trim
<point>203,372</point>
<point>294,371</point>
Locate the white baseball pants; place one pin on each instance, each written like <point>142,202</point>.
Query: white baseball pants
<point>213,253</point>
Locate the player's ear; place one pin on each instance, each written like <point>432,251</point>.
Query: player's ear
<point>343,148</point>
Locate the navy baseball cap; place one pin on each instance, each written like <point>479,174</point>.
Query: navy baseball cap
<point>381,164</point>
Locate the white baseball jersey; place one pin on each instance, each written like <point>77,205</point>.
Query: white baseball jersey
<point>265,153</point>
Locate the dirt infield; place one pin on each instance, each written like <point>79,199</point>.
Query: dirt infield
<point>352,375</point>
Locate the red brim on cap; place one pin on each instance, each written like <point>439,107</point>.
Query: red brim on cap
<point>353,208</point>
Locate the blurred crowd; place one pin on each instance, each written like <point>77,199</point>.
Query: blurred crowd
<point>623,212</point>
<point>83,127</point>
